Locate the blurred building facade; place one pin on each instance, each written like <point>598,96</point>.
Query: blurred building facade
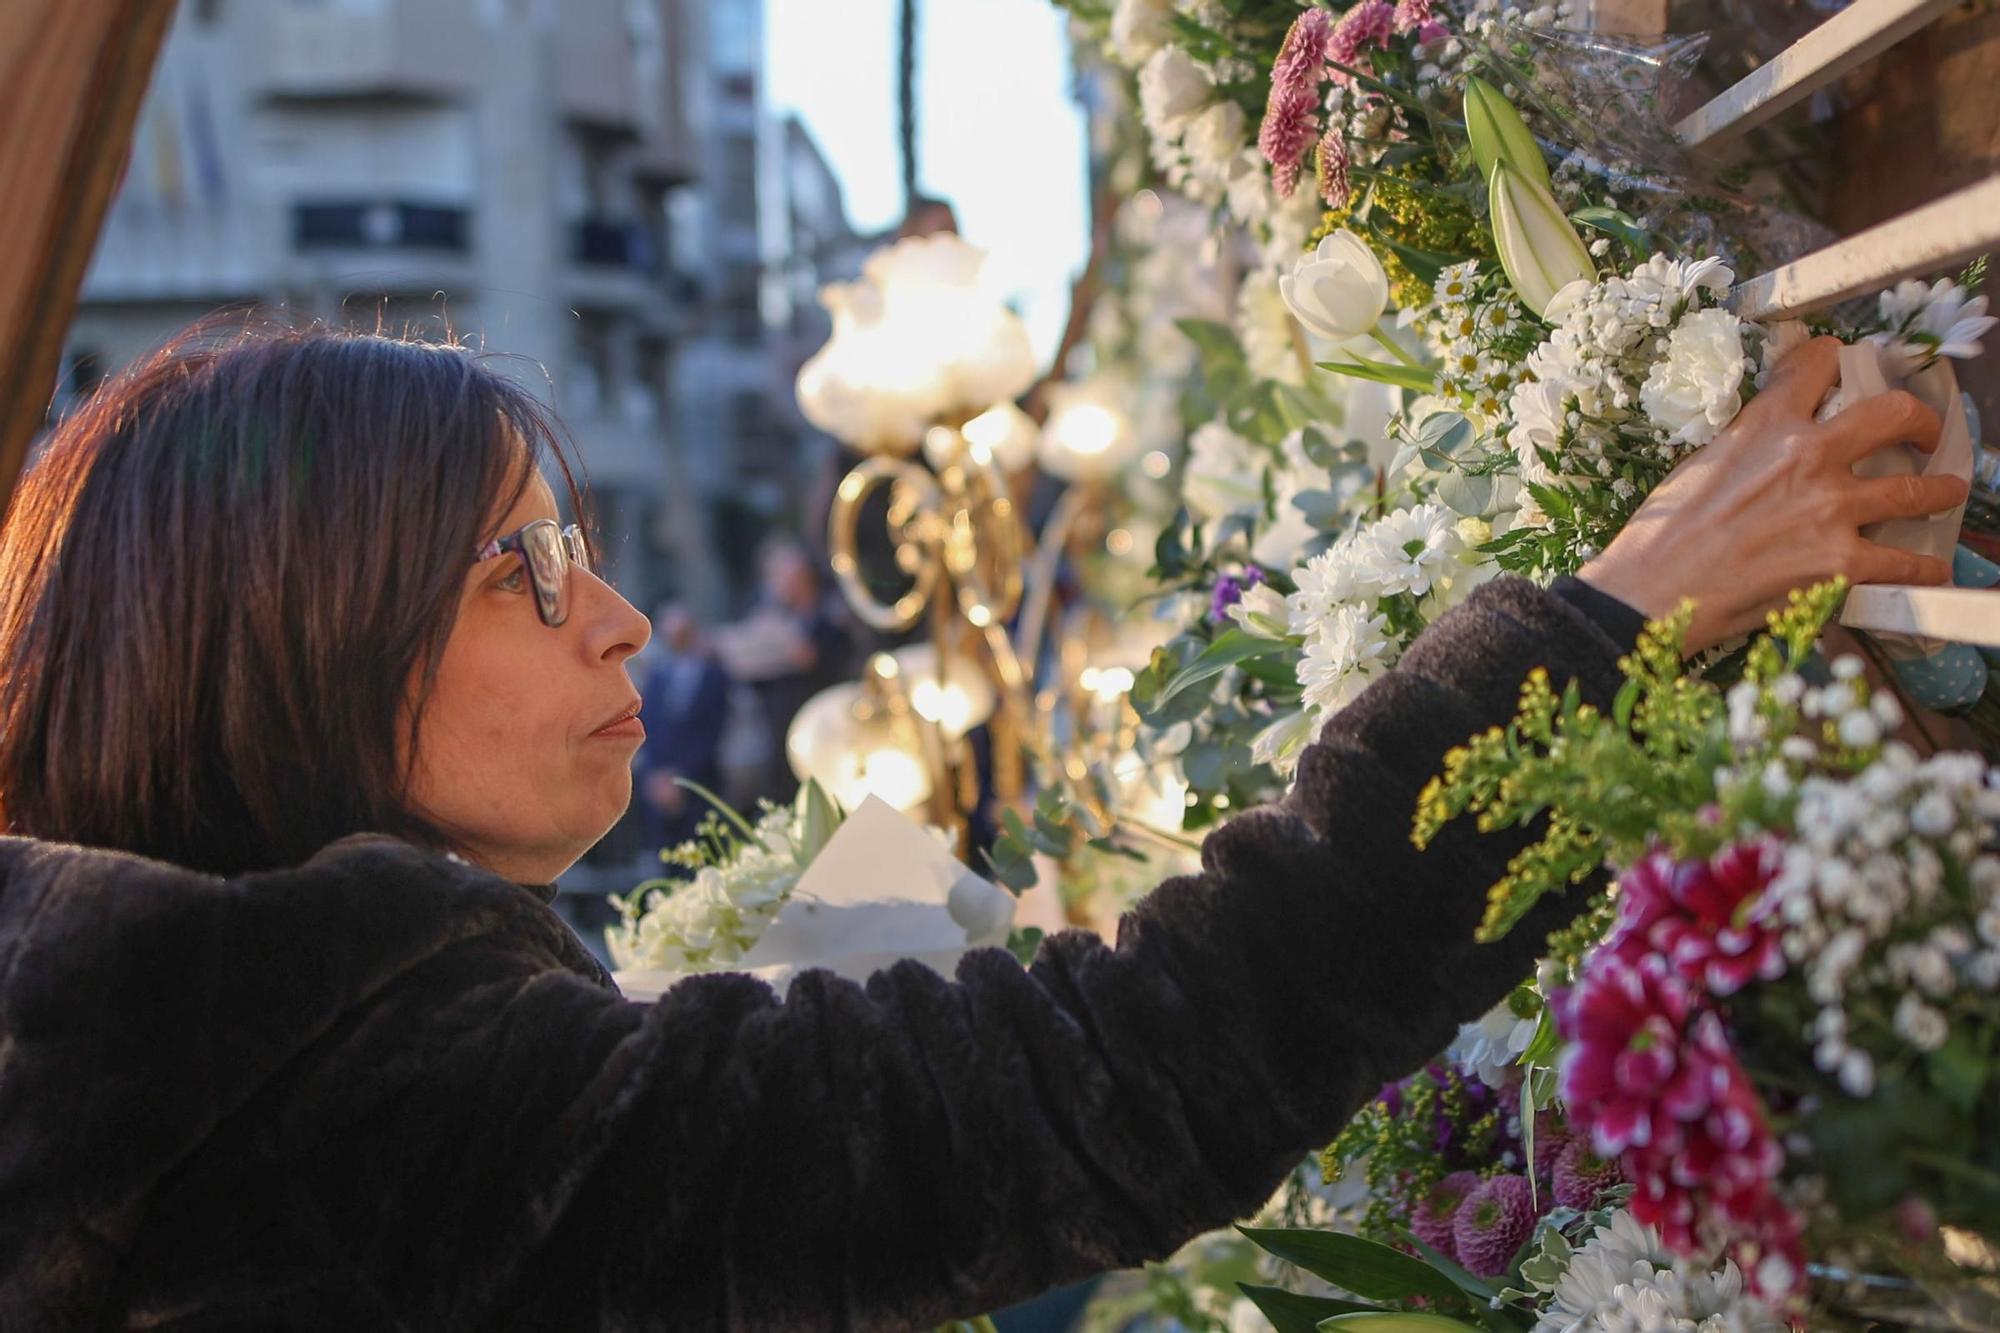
<point>593,190</point>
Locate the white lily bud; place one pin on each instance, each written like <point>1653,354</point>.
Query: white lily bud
<point>1539,249</point>
<point>1339,290</point>
<point>1498,133</point>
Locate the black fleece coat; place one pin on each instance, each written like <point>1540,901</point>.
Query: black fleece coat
<point>385,1090</point>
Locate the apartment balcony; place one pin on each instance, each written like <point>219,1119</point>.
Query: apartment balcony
<point>397,48</point>
<point>380,224</point>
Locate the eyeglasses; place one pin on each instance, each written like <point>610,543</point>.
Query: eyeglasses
<point>548,551</point>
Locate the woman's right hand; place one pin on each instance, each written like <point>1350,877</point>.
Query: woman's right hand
<point>1773,504</point>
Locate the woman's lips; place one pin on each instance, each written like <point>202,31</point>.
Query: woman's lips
<point>625,724</point>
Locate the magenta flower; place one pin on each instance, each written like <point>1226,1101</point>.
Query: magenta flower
<point>1494,1221</point>
<point>1581,1175</point>
<point>1702,917</point>
<point>1433,1220</point>
<point>1415,14</point>
<point>1367,23</point>
<point>1291,114</point>
<point>1334,186</point>
<point>1628,1077</point>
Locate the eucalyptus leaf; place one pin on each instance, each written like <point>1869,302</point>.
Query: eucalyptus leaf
<point>1303,408</point>
<point>1467,495</point>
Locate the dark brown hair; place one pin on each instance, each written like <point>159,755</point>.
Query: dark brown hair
<point>221,577</point>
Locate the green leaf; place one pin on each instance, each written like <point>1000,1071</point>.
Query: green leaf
<point>1481,1290</point>
<point>1367,1268</point>
<point>820,817</point>
<point>1395,1321</point>
<point>1210,338</point>
<point>1383,372</point>
<point>1542,1047</point>
<point>1302,408</point>
<point>1229,648</point>
<point>1467,495</point>
<point>1958,1072</point>
<point>1614,223</point>
<point>1424,264</point>
<point>1290,1312</point>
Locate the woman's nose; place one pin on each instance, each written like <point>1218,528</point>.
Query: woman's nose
<point>614,628</point>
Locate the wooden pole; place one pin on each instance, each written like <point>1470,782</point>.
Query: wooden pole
<point>72,76</point>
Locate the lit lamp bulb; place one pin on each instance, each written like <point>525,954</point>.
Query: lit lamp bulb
<point>1006,433</point>
<point>962,701</point>
<point>1088,436</point>
<point>854,748</point>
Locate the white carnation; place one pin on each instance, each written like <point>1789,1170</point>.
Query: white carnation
<point>1696,390</point>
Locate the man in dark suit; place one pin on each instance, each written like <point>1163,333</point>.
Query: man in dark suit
<point>686,704</point>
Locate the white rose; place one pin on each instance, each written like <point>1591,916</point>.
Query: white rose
<point>1224,472</point>
<point>1171,89</point>
<point>1695,391</point>
<point>1139,28</point>
<point>1339,290</point>
<point>1213,140</point>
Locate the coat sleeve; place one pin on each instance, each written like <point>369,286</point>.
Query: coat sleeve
<point>889,1156</point>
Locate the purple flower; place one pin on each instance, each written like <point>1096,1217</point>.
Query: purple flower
<point>1229,590</point>
<point>1494,1221</point>
<point>1432,1222</point>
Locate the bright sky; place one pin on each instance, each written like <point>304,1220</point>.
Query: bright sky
<point>997,131</point>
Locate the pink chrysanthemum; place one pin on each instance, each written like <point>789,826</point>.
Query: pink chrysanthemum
<point>1369,23</point>
<point>1414,14</point>
<point>1581,1175</point>
<point>1702,916</point>
<point>1433,1219</point>
<point>1334,186</point>
<point>1291,113</point>
<point>1494,1221</point>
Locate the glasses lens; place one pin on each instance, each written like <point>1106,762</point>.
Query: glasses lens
<point>548,566</point>
<point>579,549</point>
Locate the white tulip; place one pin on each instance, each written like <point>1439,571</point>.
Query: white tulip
<point>1339,290</point>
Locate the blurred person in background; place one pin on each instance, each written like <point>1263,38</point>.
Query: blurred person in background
<point>687,695</point>
<point>792,646</point>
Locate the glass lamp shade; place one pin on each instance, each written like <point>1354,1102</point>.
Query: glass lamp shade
<point>1089,434</point>
<point>964,699</point>
<point>917,339</point>
<point>855,750</point>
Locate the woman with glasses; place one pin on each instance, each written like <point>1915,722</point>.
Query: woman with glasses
<point>307,692</point>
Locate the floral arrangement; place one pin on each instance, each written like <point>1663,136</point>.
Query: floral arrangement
<point>1786,1038</point>
<point>736,876</point>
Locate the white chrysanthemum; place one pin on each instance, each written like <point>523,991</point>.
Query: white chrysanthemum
<point>1327,581</point>
<point>1624,1281</point>
<point>1939,320</point>
<point>1696,390</point>
<point>1409,550</point>
<point>1350,648</point>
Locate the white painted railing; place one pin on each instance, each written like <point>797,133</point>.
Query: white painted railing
<point>1854,35</point>
<point>1935,237</point>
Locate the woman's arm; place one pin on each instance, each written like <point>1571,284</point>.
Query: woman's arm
<point>892,1156</point>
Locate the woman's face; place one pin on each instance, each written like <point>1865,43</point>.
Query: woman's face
<point>525,752</point>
